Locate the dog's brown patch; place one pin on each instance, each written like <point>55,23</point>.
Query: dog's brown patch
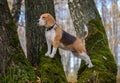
<point>78,45</point>
<point>71,43</point>
<point>58,37</point>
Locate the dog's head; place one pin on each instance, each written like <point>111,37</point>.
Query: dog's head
<point>46,20</point>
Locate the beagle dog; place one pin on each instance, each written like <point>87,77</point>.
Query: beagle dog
<point>57,37</point>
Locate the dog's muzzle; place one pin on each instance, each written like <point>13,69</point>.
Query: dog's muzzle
<point>41,22</point>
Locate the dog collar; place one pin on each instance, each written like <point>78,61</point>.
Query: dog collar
<point>50,27</point>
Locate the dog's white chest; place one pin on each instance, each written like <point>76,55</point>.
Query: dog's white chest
<point>50,35</point>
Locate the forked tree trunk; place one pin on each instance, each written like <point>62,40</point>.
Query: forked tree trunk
<point>9,43</point>
<point>104,70</point>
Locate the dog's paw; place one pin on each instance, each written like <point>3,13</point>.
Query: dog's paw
<point>51,55</point>
<point>47,54</point>
<point>90,65</point>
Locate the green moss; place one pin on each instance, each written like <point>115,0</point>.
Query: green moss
<point>19,70</point>
<point>105,69</point>
<point>51,70</point>
<point>18,74</point>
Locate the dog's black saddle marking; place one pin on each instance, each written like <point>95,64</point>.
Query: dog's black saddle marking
<point>67,39</point>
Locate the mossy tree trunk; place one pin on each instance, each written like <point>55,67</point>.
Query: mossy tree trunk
<point>104,70</point>
<point>49,70</point>
<point>14,67</point>
<point>82,11</point>
<point>7,37</point>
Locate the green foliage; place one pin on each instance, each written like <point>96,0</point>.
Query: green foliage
<point>15,75</point>
<point>51,70</point>
<point>104,70</point>
<point>19,70</point>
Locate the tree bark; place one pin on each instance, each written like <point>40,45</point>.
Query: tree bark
<point>82,14</point>
<point>35,35</point>
<point>14,68</point>
<point>16,9</point>
<point>85,12</point>
<point>9,43</point>
<point>6,36</point>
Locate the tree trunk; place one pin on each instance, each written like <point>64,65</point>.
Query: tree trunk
<point>104,70</point>
<point>82,14</point>
<point>14,68</point>
<point>50,70</point>
<point>16,9</point>
<point>35,35</point>
<point>7,37</point>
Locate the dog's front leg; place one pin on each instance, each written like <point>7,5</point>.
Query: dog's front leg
<point>49,48</point>
<point>53,52</point>
<point>55,46</point>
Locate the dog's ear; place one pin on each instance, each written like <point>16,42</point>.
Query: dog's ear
<point>50,21</point>
<point>44,16</point>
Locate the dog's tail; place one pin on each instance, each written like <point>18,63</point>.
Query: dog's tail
<point>85,31</point>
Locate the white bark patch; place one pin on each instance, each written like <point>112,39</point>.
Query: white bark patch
<point>22,38</point>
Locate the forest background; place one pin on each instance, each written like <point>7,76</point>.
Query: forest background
<point>21,17</point>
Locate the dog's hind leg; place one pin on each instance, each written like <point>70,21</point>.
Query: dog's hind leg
<point>86,58</point>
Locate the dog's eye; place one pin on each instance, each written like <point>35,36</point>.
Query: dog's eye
<point>43,17</point>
